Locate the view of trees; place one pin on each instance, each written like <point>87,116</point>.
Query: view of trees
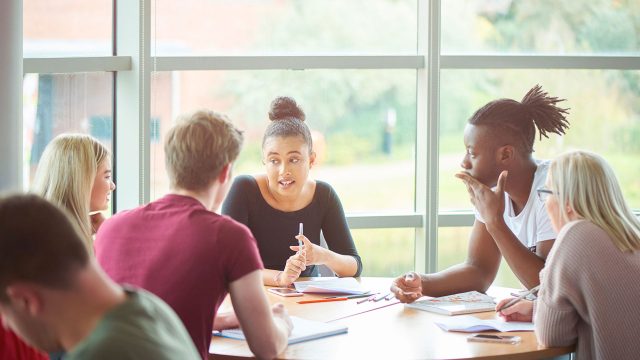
<point>364,121</point>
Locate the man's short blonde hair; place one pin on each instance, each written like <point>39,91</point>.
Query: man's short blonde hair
<point>198,146</point>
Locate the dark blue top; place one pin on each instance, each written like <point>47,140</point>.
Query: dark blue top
<point>275,230</point>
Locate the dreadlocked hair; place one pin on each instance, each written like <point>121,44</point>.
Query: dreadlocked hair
<point>519,120</point>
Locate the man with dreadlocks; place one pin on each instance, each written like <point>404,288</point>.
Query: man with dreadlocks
<point>501,177</point>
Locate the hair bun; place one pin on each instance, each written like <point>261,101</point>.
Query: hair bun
<point>284,107</point>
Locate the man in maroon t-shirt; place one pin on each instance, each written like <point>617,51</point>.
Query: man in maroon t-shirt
<point>178,248</point>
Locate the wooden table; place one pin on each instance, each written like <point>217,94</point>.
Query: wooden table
<point>386,329</point>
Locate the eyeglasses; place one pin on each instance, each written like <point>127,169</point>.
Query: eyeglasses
<point>543,194</point>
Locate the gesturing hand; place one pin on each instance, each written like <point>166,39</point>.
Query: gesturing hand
<point>295,265</point>
<point>489,203</point>
<point>314,254</point>
<point>407,288</point>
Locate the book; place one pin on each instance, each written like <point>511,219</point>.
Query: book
<point>303,330</point>
<point>456,304</point>
<point>474,324</point>
<point>346,285</point>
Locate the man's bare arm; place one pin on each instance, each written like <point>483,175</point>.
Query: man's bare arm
<point>476,273</point>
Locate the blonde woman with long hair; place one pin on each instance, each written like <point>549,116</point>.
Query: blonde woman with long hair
<point>589,288</point>
<point>75,173</point>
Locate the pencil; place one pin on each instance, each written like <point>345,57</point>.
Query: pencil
<point>533,290</point>
<point>322,300</point>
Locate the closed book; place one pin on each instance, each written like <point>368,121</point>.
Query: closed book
<point>303,330</point>
<point>463,303</point>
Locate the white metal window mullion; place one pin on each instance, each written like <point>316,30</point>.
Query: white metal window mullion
<point>427,102</point>
<point>433,149</point>
<point>133,104</point>
<point>76,64</point>
<point>11,152</point>
<point>462,62</point>
<point>575,62</point>
<point>303,62</point>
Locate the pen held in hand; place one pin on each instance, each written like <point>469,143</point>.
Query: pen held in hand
<point>515,300</point>
<point>300,232</point>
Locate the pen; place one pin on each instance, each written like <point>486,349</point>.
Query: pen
<point>520,297</point>
<point>381,297</point>
<point>367,299</point>
<point>350,296</point>
<point>300,232</point>
<point>322,300</point>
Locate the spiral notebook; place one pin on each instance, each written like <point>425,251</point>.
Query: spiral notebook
<point>303,330</point>
<point>456,304</point>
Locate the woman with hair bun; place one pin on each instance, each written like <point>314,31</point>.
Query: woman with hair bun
<point>273,205</point>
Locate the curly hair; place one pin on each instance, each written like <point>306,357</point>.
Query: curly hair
<point>287,119</point>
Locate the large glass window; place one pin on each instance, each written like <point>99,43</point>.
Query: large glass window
<point>363,122</point>
<point>215,27</point>
<point>540,27</point>
<point>67,28</point>
<point>64,103</point>
<point>385,252</point>
<point>452,250</point>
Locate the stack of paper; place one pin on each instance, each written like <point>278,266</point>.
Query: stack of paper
<point>473,324</point>
<point>464,303</point>
<point>303,330</point>
<point>346,285</point>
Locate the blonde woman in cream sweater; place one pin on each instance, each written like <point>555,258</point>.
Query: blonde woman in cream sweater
<point>589,292</point>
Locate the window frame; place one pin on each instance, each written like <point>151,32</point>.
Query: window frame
<point>133,65</point>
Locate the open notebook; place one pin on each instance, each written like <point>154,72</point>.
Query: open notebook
<point>334,285</point>
<point>303,330</point>
<point>463,303</point>
<point>473,324</point>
